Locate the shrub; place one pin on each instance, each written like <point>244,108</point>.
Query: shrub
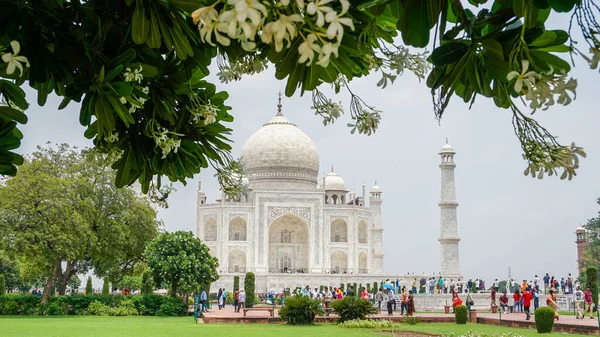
<point>412,320</point>
<point>460,314</point>
<point>57,309</point>
<point>105,287</point>
<point>125,309</point>
<point>352,307</point>
<point>375,289</point>
<point>229,298</point>
<point>249,289</point>
<point>369,324</point>
<point>544,319</point>
<point>2,285</point>
<point>147,304</point>
<point>97,308</point>
<point>300,310</point>
<point>88,286</point>
<point>592,283</point>
<point>236,283</point>
<point>10,308</point>
<point>172,306</point>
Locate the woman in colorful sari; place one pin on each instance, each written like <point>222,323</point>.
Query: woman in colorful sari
<point>411,303</point>
<point>456,301</point>
<point>551,302</point>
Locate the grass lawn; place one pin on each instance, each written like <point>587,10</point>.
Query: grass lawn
<point>184,326</point>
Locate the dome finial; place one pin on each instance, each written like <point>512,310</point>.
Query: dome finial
<point>332,168</point>
<point>446,140</point>
<point>279,113</point>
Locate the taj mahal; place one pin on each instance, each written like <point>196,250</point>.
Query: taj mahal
<point>292,228</point>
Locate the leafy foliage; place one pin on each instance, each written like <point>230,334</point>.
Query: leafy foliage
<point>370,324</point>
<point>250,289</point>
<point>147,283</point>
<point>137,68</point>
<point>105,287</point>
<point>412,320</point>
<point>352,307</point>
<point>89,222</point>
<point>300,310</point>
<point>592,283</point>
<point>461,314</point>
<point>178,259</point>
<point>2,285</point>
<point>236,283</point>
<point>544,319</point>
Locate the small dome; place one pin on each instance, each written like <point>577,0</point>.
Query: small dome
<point>580,229</point>
<point>447,148</point>
<point>334,182</point>
<point>376,188</point>
<point>245,181</point>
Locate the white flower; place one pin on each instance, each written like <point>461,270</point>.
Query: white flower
<point>318,7</point>
<point>136,75</point>
<point>205,16</point>
<point>248,9</point>
<point>209,118</point>
<point>145,90</point>
<point>14,60</point>
<point>308,48</point>
<point>337,22</point>
<point>562,88</point>
<point>527,78</point>
<point>229,24</point>
<point>326,51</point>
<point>123,100</point>
<point>284,29</point>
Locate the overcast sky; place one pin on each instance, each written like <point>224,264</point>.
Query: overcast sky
<point>505,219</point>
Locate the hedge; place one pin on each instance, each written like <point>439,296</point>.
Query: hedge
<point>544,319</point>
<point>236,283</point>
<point>88,286</point>
<point>461,314</point>
<point>249,289</point>
<point>149,305</point>
<point>2,285</point>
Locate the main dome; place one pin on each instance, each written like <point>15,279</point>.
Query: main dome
<point>280,156</point>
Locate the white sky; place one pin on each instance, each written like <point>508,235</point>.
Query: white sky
<point>505,219</point>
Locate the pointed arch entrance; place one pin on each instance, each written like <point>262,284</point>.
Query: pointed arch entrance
<point>288,245</point>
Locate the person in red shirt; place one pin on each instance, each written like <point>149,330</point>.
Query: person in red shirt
<point>504,302</point>
<point>517,302</point>
<point>589,303</point>
<point>527,297</point>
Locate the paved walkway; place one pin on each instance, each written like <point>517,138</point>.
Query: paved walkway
<point>564,319</point>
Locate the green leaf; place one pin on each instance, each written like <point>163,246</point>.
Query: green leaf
<point>140,26</point>
<point>147,70</point>
<point>154,38</point>
<point>546,60</point>
<point>126,57</point>
<point>91,131</point>
<point>562,5</point>
<point>122,89</point>
<point>493,49</point>
<point>448,53</point>
<point>556,49</point>
<point>113,73</point>
<point>187,5</point>
<point>13,114</point>
<point>550,38</point>
<point>14,94</point>
<point>414,23</point>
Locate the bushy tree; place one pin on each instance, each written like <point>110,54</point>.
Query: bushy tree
<point>236,282</point>
<point>592,283</point>
<point>89,290</point>
<point>250,289</point>
<point>138,67</point>
<point>106,286</point>
<point>180,258</point>
<point>89,223</point>
<point>591,256</point>
<point>352,307</point>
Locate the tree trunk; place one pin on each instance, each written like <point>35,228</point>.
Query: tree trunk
<point>174,287</point>
<point>49,287</point>
<point>66,276</point>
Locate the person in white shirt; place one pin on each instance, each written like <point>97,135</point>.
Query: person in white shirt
<point>391,301</point>
<point>578,299</point>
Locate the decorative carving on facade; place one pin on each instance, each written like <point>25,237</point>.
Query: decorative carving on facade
<point>334,217</point>
<point>208,216</point>
<point>241,215</point>
<point>301,212</point>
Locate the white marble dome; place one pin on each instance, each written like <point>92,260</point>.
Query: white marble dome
<point>447,148</point>
<point>334,182</point>
<point>280,155</point>
<point>376,188</point>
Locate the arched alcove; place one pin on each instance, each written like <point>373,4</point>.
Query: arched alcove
<point>362,263</point>
<point>339,262</point>
<point>237,229</point>
<point>288,245</point>
<point>339,231</point>
<point>237,261</point>
<point>363,232</point>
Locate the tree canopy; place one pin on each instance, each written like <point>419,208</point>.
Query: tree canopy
<point>180,260</point>
<point>137,68</point>
<point>591,255</point>
<point>62,215</point>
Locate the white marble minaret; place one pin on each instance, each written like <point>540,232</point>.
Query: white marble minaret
<point>449,257</point>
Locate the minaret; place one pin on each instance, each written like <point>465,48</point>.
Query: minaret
<point>201,194</point>
<point>449,257</point>
<point>581,242</point>
<point>377,254</point>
